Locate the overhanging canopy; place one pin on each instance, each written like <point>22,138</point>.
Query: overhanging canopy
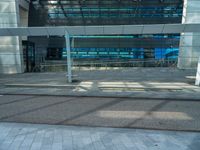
<point>100,30</point>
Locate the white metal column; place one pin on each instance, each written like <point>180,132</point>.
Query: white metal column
<point>69,67</point>
<point>198,74</point>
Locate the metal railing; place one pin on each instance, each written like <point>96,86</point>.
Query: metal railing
<point>78,65</point>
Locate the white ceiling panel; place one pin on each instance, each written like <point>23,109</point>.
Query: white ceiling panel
<point>113,29</point>
<point>37,31</point>
<point>192,28</point>
<point>19,31</point>
<point>173,28</point>
<point>76,30</point>
<point>94,30</point>
<point>56,31</point>
<point>133,29</point>
<point>100,30</point>
<point>152,29</point>
<point>4,32</point>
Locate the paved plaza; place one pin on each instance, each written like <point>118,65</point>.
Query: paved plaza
<point>104,112</point>
<point>170,83</point>
<point>151,109</point>
<point>17,136</point>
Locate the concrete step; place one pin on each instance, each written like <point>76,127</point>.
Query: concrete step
<point>40,85</point>
<point>104,88</point>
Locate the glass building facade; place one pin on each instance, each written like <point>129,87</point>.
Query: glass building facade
<point>110,12</point>
<point>104,12</point>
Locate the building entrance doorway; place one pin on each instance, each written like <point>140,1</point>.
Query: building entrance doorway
<point>28,55</point>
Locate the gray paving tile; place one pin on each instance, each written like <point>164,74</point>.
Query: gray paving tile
<point>19,138</point>
<point>9,138</point>
<point>67,140</point>
<point>195,145</point>
<point>4,132</point>
<point>118,143</point>
<point>48,140</point>
<point>96,139</point>
<point>26,144</point>
<point>127,141</point>
<point>50,137</point>
<point>57,140</point>
<point>37,142</point>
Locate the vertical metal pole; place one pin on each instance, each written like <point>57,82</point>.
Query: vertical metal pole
<point>69,67</point>
<point>198,74</point>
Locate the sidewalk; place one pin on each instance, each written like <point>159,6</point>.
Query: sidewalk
<point>37,136</point>
<point>167,83</point>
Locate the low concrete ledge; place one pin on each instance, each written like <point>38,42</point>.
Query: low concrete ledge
<point>101,88</point>
<point>141,88</point>
<point>40,86</point>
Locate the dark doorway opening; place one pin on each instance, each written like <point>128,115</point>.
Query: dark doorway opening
<point>28,55</point>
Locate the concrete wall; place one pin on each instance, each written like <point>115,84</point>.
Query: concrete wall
<point>23,14</point>
<point>189,43</point>
<point>10,47</point>
<point>13,13</point>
